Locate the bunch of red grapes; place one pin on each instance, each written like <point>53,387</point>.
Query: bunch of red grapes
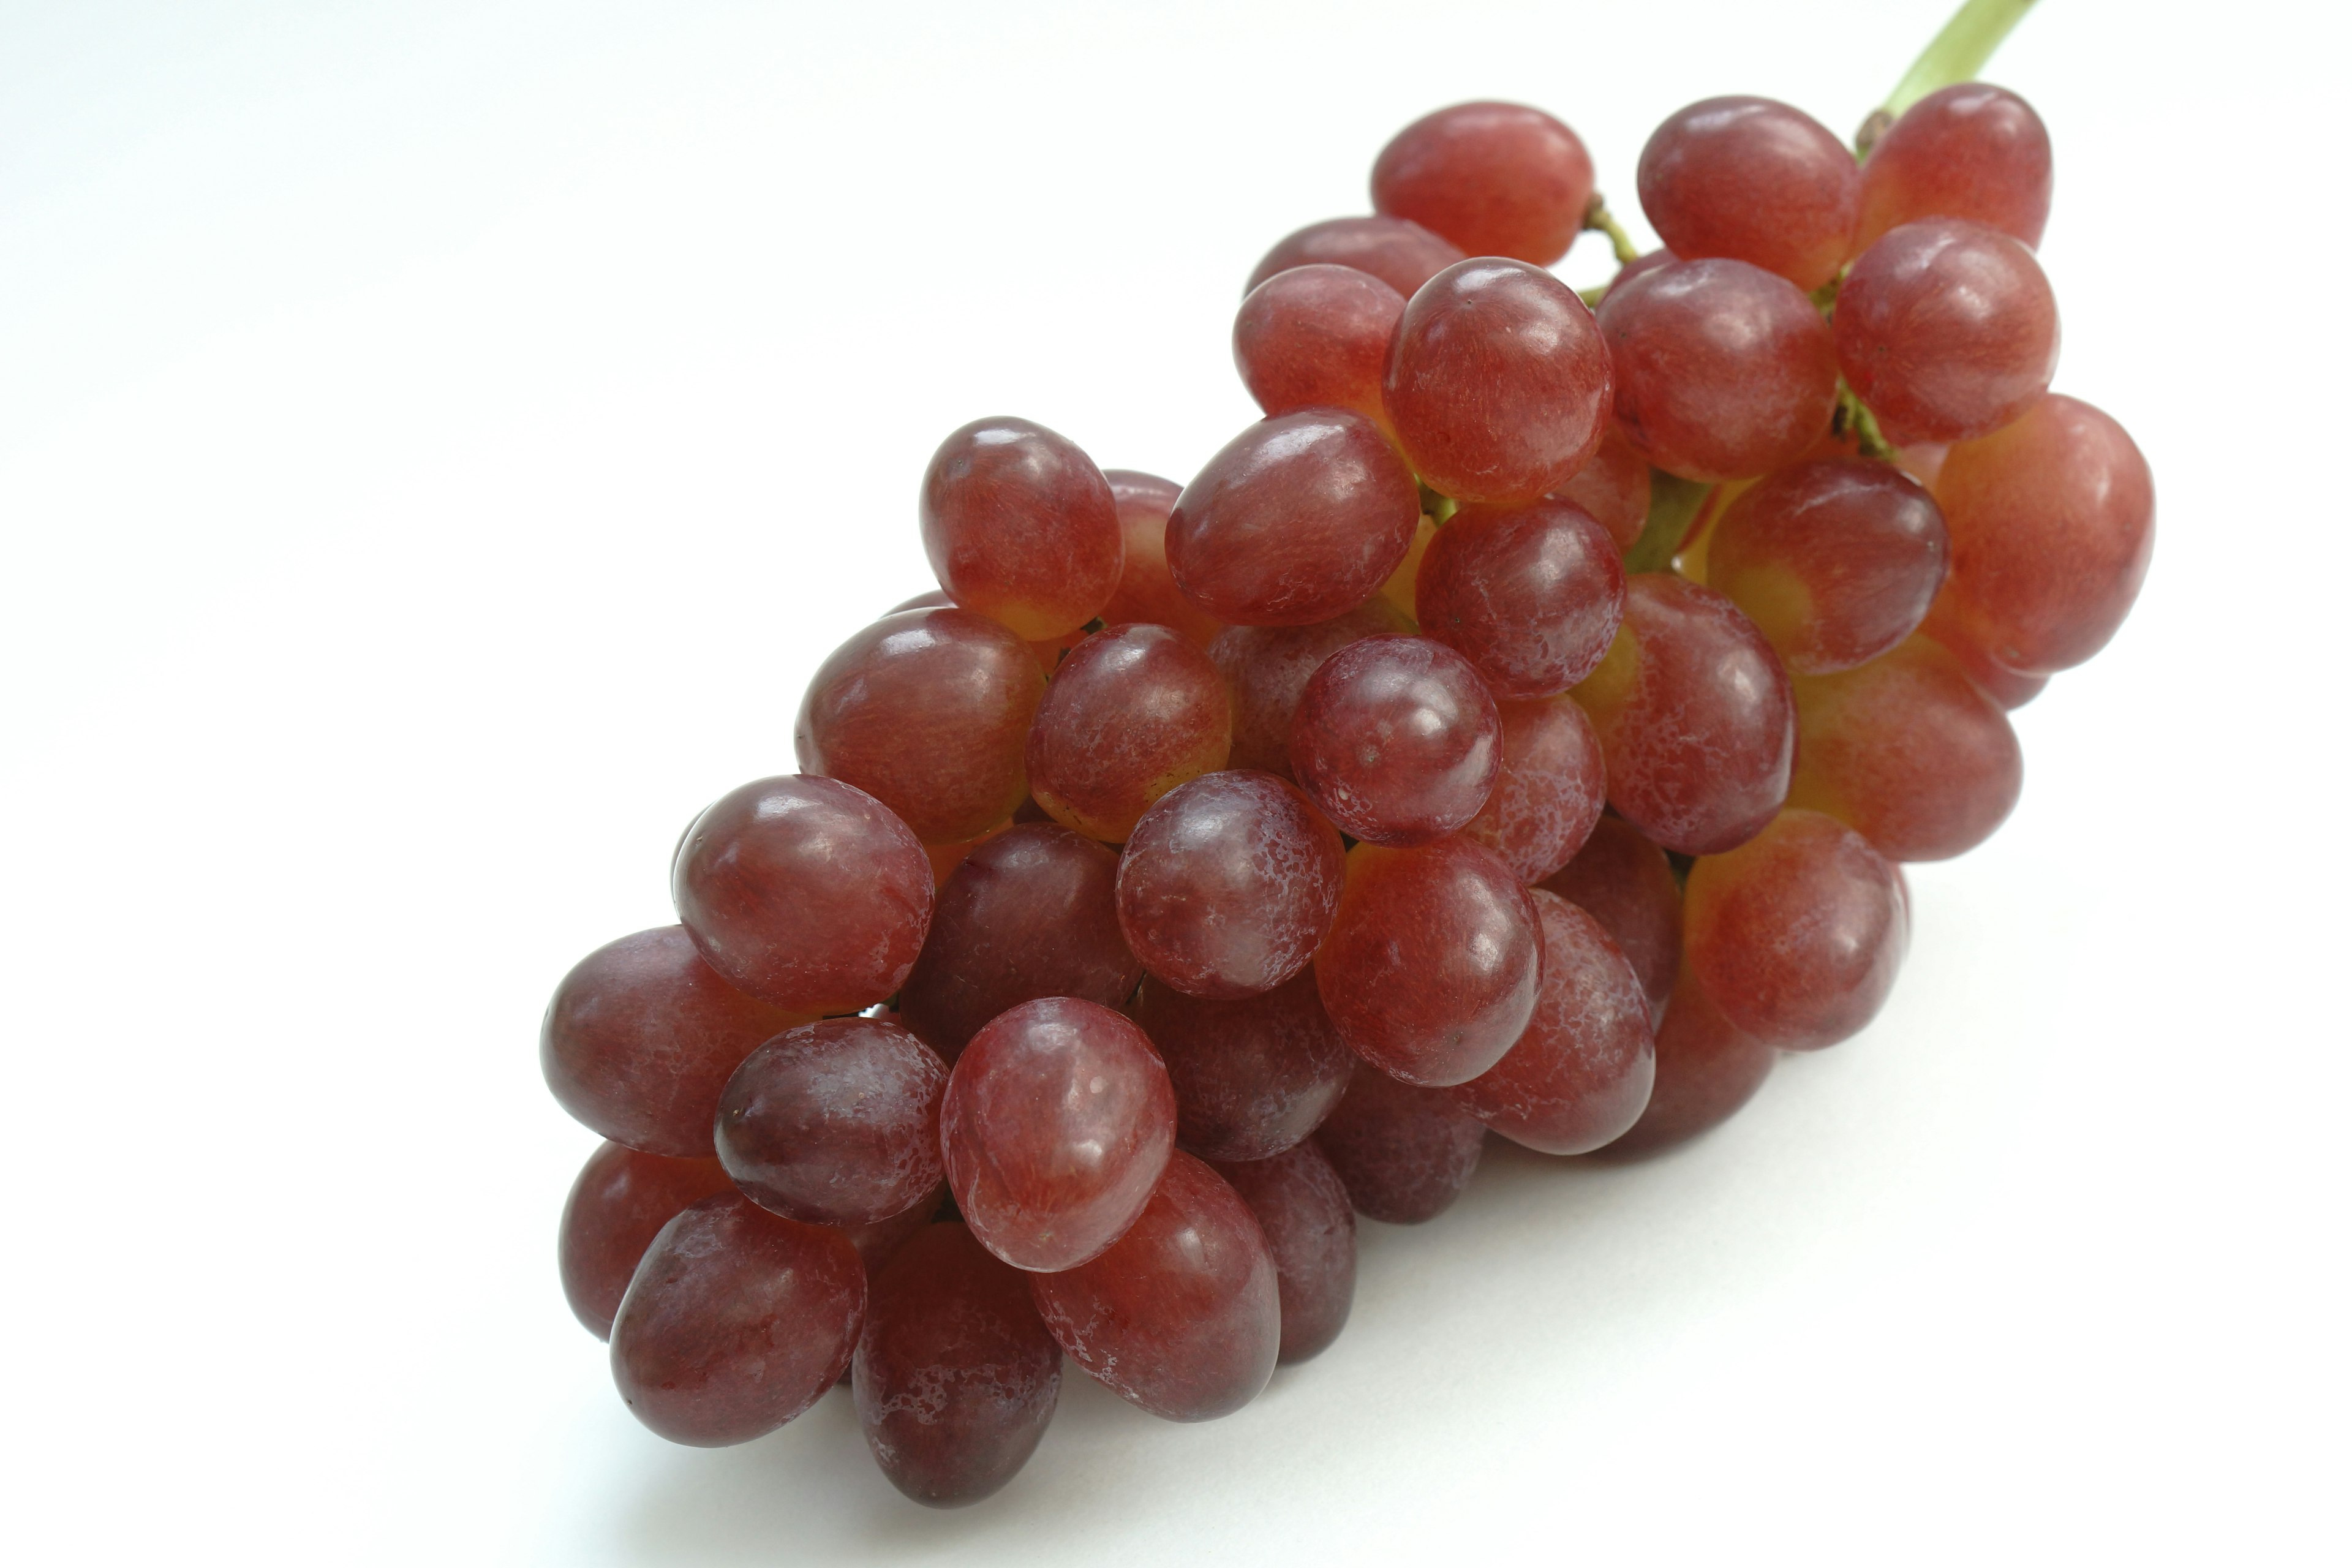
<point>1517,731</point>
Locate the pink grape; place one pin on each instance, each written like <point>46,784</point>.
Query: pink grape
<point>1706,1070</point>
<point>1147,589</point>
<point>1020,525</point>
<point>1396,740</point>
<point>1529,594</point>
<point>1266,668</point>
<point>1133,712</point>
<point>1317,337</point>
<point>1723,371</point>
<point>1549,792</point>
<point>1404,1153</point>
<point>1971,150</point>
<point>1947,330</point>
<point>1695,717</point>
<point>1252,1077</point>
<point>618,1204</point>
<point>1754,180</point>
<point>1400,254</point>
<point>1626,882</point>
<point>1579,1076</point>
<point>1301,1205</point>
<point>1496,179</point>
<point>1835,559</point>
<point>1613,489</point>
<point>1497,385</point>
<point>835,1123</point>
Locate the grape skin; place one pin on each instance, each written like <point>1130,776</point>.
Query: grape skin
<point>1404,1153</point>
<point>1396,740</point>
<point>835,1123</point>
<point>1317,336</point>
<point>1947,330</point>
<point>1254,1077</point>
<point>1310,1229</point>
<point>1971,150</point>
<point>1020,525</point>
<point>1133,712</point>
<point>1400,254</point>
<point>1755,180</point>
<point>1496,179</point>
<point>1626,883</point>
<point>1706,1070</point>
<point>1549,791</point>
<point>1147,589</point>
<point>618,1204</point>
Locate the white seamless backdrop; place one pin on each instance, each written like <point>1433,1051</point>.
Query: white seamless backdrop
<point>436,442</point>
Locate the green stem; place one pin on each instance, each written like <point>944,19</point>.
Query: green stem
<point>1598,216</point>
<point>1959,51</point>
<point>1673,504</point>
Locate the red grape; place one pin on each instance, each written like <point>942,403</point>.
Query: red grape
<point>1403,1153</point>
<point>1183,1315</point>
<point>1995,679</point>
<point>1835,559</point>
<point>1723,370</point>
<point>1549,792</point>
<point>1971,150</point>
<point>620,1202</point>
<point>806,892</point>
<point>1134,711</point>
<point>1907,752</point>
<point>1300,518</point>
<point>1228,883</point>
<point>1580,1074</point>
<point>955,1375</point>
<point>1529,594</point>
<point>928,711</point>
<point>835,1123</point>
<point>641,1035</point>
<point>736,1321</point>
<point>1706,1070</point>
<point>1625,882</point>
<point>1614,488</point>
<point>1796,934</point>
<point>1057,1122</point>
<point>1033,912</point>
<point>2053,521</point>
<point>1496,179</point>
<point>1754,180</point>
<point>1694,714</point>
<point>1402,255</point>
<point>1497,382</point>
<point>1397,740</point>
<point>879,1242</point>
<point>1302,1206</point>
<point>1430,970</point>
<point>1267,669</point>
<point>1648,261</point>
<point>1020,526</point>
<point>1147,590</point>
<point>1947,330</point>
<point>1316,337</point>
<point>1252,1078</point>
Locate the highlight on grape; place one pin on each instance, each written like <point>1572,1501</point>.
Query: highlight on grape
<point>1519,731</point>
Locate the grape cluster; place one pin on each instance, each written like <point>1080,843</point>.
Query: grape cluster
<point>1518,730</point>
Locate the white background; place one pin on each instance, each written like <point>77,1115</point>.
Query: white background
<point>436,442</point>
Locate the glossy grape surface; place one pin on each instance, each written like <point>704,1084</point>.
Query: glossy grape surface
<point>1020,525</point>
<point>1252,1078</point>
<point>1580,1074</point>
<point>1907,752</point>
<point>1267,669</point>
<point>1835,559</point>
<point>1724,371</point>
<point>2053,521</point>
<point>736,1321</point>
<point>1755,180</point>
<point>1183,1315</point>
<point>1971,150</point>
<point>1695,717</point>
<point>1310,1227</point>
<point>1228,883</point>
<point>1706,1070</point>
<point>1550,791</point>
<point>1947,330</point>
<point>1057,1123</point>
<point>1496,179</point>
<point>955,1375</point>
<point>927,711</point>
<point>1497,383</point>
<point>1316,337</point>
<point>1400,254</point>
<point>806,892</point>
<point>1529,594</point>
<point>1133,712</point>
<point>1396,740</point>
<point>1404,1153</point>
<point>1033,912</point>
<point>1796,935</point>
<point>620,1201</point>
<point>1147,589</point>
<point>1625,882</point>
<point>1300,518</point>
<point>1613,489</point>
<point>1430,970</point>
<point>835,1123</point>
<point>640,1036</point>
